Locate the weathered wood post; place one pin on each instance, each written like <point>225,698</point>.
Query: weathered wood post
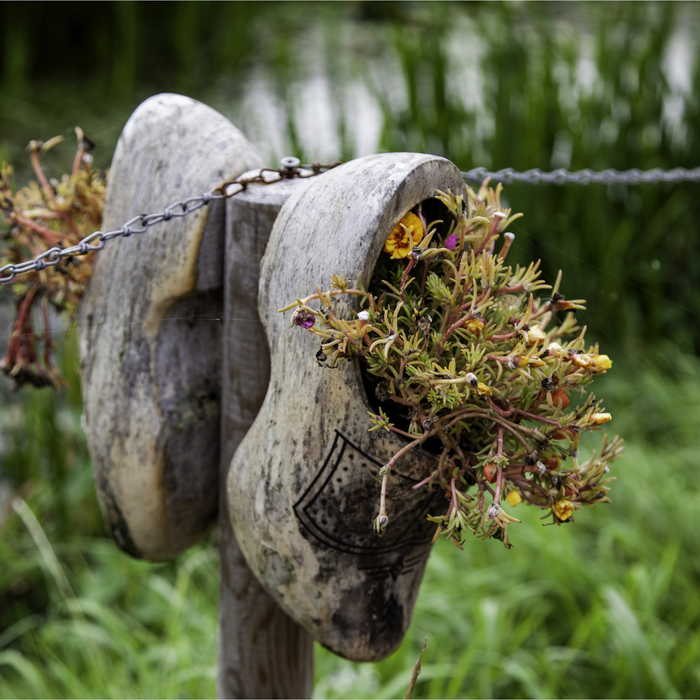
<point>262,651</point>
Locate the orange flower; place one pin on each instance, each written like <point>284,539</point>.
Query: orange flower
<point>560,395</point>
<point>490,472</point>
<point>406,234</point>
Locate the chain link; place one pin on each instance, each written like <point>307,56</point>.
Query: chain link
<point>562,176</point>
<point>292,168</point>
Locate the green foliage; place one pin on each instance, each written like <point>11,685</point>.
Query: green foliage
<point>577,85</point>
<point>98,623</point>
<point>463,354</point>
<point>132,630</point>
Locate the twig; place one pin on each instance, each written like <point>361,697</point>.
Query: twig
<point>499,481</point>
<point>52,237</point>
<point>416,671</point>
<point>549,421</point>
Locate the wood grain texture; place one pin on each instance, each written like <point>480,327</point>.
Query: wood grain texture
<point>263,653</point>
<point>303,488</point>
<point>150,343</point>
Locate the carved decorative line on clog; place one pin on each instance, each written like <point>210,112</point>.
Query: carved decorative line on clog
<point>338,507</point>
<point>401,566</point>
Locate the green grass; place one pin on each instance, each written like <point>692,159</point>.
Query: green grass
<point>606,607</point>
<point>133,629</point>
<point>78,618</point>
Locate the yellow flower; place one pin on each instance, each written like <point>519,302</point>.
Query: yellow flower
<point>597,364</point>
<point>600,418</point>
<point>535,335</point>
<point>406,234</point>
<point>482,389</point>
<point>513,499</point>
<point>563,509</point>
<point>601,363</point>
<point>474,326</point>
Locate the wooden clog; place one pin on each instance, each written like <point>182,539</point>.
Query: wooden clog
<point>151,330</point>
<point>303,488</point>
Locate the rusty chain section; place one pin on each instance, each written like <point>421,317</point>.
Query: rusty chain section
<point>290,168</point>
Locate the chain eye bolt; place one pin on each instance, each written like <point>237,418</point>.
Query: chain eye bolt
<point>290,166</point>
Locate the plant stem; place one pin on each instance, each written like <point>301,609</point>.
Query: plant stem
<point>499,478</point>
<point>390,464</point>
<point>332,293</point>
<point>39,172</point>
<point>52,237</point>
<point>493,233</point>
<point>425,481</point>
<point>454,503</point>
<point>407,269</point>
<point>451,330</point>
<point>78,159</point>
<point>48,344</point>
<point>527,414</point>
<point>401,432</point>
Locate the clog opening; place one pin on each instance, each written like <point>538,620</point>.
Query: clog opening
<point>388,268</point>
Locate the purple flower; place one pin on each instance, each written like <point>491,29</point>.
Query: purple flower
<point>303,318</point>
<point>451,242</point>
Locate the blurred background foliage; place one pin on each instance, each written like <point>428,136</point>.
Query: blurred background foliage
<point>607,607</point>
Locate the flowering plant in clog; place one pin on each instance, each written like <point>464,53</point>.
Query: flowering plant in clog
<point>45,214</point>
<point>466,359</point>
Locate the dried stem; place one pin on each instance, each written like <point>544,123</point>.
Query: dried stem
<point>416,671</point>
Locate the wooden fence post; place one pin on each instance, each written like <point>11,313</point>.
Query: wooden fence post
<point>262,651</point>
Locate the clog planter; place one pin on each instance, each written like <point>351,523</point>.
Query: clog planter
<point>303,485</point>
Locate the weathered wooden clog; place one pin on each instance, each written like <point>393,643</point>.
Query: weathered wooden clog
<point>151,327</point>
<point>303,488</point>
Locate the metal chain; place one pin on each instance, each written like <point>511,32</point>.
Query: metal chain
<point>562,176</point>
<point>291,168</point>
